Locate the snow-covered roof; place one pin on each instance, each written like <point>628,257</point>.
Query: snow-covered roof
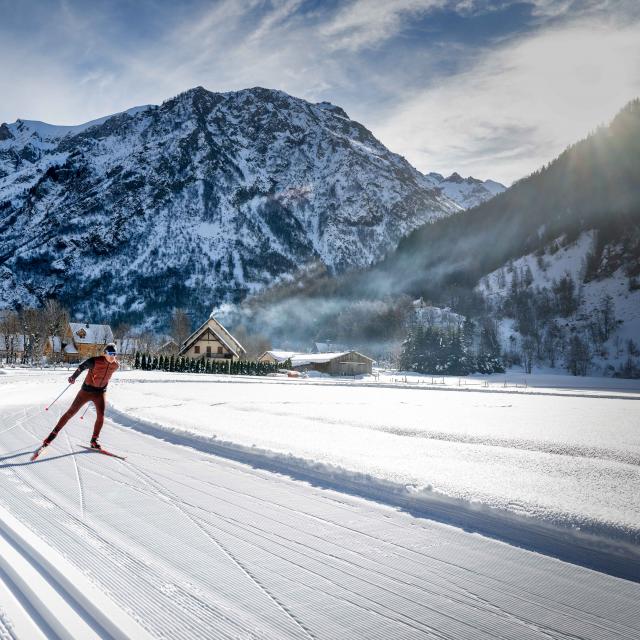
<point>326,347</point>
<point>300,359</point>
<point>279,356</point>
<point>85,333</point>
<point>229,336</point>
<point>70,348</point>
<point>55,344</point>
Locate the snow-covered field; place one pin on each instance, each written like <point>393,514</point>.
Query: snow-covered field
<point>567,458</point>
<point>275,508</point>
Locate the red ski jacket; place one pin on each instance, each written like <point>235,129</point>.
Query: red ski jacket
<point>100,372</point>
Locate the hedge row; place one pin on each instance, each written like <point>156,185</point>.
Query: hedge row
<point>150,362</point>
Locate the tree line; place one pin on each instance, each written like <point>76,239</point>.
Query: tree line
<point>24,333</point>
<point>182,364</point>
<point>451,350</point>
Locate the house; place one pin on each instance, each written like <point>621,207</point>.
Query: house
<point>171,347</point>
<point>335,363</point>
<point>54,349</point>
<point>82,340</point>
<point>212,340</point>
<point>12,347</point>
<point>275,357</point>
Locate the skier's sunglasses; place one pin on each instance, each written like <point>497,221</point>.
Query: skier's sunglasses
<point>111,353</point>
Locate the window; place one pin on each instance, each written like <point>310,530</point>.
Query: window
<point>196,349</point>
<point>208,350</point>
<point>219,349</point>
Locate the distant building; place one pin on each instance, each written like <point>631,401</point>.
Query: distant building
<point>275,357</point>
<point>336,363</point>
<point>327,347</point>
<point>170,347</point>
<point>81,340</point>
<point>127,346</point>
<point>212,340</point>
<point>12,347</point>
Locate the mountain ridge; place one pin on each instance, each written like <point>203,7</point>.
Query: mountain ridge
<point>201,200</point>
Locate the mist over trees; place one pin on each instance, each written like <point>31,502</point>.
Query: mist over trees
<point>592,186</point>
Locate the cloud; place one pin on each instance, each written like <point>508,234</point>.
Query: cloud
<point>367,22</point>
<point>496,108</point>
<point>520,105</point>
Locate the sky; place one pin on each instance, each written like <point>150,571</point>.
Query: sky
<point>489,88</point>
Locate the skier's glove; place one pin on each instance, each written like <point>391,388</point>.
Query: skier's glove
<point>72,380</point>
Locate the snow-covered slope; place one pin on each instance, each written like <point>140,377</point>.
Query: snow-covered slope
<point>542,270</point>
<point>193,538</point>
<point>206,198</point>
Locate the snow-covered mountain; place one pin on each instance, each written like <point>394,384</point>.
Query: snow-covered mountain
<point>201,200</point>
<point>467,192</point>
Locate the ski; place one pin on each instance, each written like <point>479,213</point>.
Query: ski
<point>37,453</point>
<point>103,452</point>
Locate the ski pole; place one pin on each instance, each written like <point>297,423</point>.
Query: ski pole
<point>85,411</point>
<point>47,408</point>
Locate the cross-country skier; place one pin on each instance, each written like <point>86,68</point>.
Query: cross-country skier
<point>101,368</point>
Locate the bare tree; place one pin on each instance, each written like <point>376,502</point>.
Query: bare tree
<point>35,331</point>
<point>180,326</point>
<point>255,343</point>
<point>147,342</point>
<point>56,320</point>
<point>11,333</point>
<point>578,356</point>
<point>528,352</point>
<point>125,341</point>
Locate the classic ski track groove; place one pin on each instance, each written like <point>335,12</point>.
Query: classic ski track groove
<point>176,503</point>
<point>154,493</point>
<point>523,621</point>
<point>77,472</point>
<point>353,567</point>
<point>160,605</point>
<point>131,559</point>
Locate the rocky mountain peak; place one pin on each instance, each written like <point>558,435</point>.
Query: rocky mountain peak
<point>204,199</point>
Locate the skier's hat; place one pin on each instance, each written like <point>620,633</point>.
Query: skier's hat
<point>111,349</point>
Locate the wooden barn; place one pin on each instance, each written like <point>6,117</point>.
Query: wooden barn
<point>212,340</point>
<point>335,363</point>
<point>341,363</point>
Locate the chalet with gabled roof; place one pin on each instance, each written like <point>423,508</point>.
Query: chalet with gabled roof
<point>81,340</point>
<point>211,340</point>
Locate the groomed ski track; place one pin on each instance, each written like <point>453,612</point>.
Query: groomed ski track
<point>177,543</point>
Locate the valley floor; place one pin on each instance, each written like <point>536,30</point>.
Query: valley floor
<point>222,524</point>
